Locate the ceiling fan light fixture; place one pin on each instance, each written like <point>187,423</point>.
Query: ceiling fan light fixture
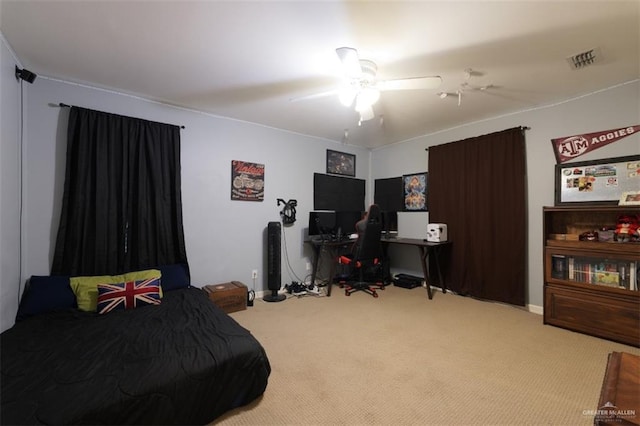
<point>367,114</point>
<point>369,70</point>
<point>347,95</point>
<point>350,61</point>
<point>367,98</point>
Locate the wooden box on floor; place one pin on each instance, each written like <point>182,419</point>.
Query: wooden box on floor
<point>230,297</point>
<point>619,402</point>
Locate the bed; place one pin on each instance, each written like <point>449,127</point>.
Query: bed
<point>182,361</point>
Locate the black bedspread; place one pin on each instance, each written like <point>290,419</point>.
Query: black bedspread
<point>181,362</point>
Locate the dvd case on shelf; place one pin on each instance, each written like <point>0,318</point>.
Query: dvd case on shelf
<point>612,273</point>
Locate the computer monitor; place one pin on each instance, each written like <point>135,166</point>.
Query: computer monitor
<point>346,222</point>
<point>389,224</point>
<point>337,193</point>
<point>322,223</point>
<point>389,194</point>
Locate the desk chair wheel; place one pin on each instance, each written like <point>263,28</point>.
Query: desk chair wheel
<point>346,292</point>
<point>375,294</point>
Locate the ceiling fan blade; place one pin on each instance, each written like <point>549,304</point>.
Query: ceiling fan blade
<point>314,96</point>
<point>413,83</point>
<point>366,114</point>
<point>350,61</point>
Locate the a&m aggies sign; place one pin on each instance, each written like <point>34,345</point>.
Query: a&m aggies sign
<point>570,147</point>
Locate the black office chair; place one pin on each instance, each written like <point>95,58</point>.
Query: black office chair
<point>365,258</point>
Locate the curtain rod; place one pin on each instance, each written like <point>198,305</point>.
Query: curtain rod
<point>63,105</point>
<point>523,128</point>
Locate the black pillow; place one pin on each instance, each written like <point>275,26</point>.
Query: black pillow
<point>46,294</point>
<point>174,277</point>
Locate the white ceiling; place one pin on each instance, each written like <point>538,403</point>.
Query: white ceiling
<point>247,60</point>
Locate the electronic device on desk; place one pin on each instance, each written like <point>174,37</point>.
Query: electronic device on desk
<point>321,225</point>
<point>389,224</point>
<point>333,226</point>
<point>346,224</point>
<point>436,232</point>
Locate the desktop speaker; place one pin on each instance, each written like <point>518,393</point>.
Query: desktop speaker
<point>436,232</point>
<point>274,231</point>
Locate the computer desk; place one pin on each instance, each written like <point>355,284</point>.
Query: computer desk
<point>425,249</point>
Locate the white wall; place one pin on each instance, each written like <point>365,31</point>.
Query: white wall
<point>224,238</point>
<point>10,108</point>
<point>608,109</point>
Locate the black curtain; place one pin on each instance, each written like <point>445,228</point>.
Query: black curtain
<point>122,206</point>
<point>477,187</point>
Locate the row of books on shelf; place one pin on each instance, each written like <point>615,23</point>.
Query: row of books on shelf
<point>612,273</point>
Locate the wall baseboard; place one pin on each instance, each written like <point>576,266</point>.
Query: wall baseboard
<point>535,309</point>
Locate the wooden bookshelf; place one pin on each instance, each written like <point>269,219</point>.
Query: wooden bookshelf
<point>591,286</point>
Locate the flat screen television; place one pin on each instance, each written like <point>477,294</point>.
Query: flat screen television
<point>389,194</point>
<point>338,193</point>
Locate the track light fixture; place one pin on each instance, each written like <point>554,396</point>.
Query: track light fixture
<point>25,75</point>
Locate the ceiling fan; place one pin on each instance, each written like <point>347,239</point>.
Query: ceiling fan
<point>361,88</point>
<point>466,86</point>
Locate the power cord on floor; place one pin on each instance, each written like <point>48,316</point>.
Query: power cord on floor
<point>286,256</point>
<point>300,289</point>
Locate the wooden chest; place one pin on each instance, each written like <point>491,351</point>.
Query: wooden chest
<point>619,402</point>
<point>230,297</point>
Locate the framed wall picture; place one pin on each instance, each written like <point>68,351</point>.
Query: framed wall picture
<point>415,192</point>
<point>247,181</point>
<point>341,163</point>
<point>630,198</point>
<point>597,182</point>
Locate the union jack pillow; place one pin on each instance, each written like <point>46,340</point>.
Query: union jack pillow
<point>128,295</point>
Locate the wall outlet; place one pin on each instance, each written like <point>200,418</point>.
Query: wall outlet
<point>254,274</point>
<point>308,266</point>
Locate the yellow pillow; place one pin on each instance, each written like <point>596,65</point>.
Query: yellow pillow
<point>86,288</point>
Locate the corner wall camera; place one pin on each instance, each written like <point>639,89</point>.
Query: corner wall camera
<point>25,74</point>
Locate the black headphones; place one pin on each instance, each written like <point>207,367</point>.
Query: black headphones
<point>288,212</point>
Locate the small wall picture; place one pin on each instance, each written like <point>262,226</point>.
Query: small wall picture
<point>630,198</point>
<point>341,163</point>
<point>247,181</point>
<point>415,192</point>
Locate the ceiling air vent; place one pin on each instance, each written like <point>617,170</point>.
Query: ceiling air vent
<point>584,59</point>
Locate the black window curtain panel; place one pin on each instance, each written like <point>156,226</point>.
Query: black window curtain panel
<point>122,206</point>
<point>477,186</point>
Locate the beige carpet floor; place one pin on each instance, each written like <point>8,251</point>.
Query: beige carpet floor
<point>402,359</point>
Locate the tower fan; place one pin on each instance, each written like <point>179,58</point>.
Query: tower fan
<point>274,280</point>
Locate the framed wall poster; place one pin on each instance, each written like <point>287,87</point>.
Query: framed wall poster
<point>341,163</point>
<point>415,192</point>
<point>247,181</point>
<point>630,198</point>
<point>598,182</point>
